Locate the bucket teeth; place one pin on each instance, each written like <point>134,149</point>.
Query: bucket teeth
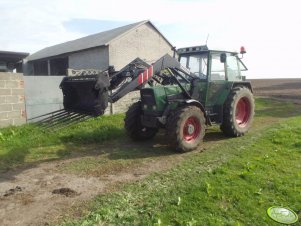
<point>58,119</point>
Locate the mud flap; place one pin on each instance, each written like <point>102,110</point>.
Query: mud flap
<point>87,94</point>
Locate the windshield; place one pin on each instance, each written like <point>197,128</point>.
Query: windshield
<point>197,64</point>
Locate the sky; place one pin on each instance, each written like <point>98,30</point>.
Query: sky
<point>268,29</point>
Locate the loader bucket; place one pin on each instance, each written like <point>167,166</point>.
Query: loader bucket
<point>86,94</point>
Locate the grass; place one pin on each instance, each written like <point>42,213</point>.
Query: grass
<point>274,108</point>
<point>30,144</point>
<point>232,184</point>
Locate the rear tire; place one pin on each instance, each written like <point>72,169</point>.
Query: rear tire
<point>238,112</point>
<point>133,125</point>
<point>186,128</point>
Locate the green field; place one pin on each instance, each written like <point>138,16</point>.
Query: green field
<point>233,181</point>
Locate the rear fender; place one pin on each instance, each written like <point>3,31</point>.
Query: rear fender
<point>242,84</point>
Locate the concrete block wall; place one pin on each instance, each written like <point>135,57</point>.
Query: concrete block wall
<point>12,100</point>
<point>144,42</point>
<point>124,103</point>
<point>97,58</point>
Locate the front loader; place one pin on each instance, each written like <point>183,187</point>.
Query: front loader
<point>184,96</point>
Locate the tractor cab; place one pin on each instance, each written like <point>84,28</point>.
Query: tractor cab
<point>212,65</point>
<point>218,73</point>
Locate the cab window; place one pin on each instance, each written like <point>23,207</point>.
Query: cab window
<point>217,68</point>
<point>184,61</point>
<point>197,64</point>
<point>233,72</point>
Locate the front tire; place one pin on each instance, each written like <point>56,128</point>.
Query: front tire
<point>186,128</point>
<point>238,112</point>
<point>133,125</point>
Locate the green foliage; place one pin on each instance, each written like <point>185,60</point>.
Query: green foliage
<point>30,143</point>
<point>273,108</point>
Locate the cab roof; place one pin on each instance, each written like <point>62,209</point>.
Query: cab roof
<point>200,49</point>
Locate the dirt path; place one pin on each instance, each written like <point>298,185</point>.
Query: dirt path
<point>41,195</point>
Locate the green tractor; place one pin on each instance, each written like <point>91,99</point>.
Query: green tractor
<point>214,92</point>
<point>184,97</point>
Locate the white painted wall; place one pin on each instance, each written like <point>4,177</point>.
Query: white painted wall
<point>42,95</point>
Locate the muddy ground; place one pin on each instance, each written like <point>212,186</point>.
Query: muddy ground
<point>41,194</point>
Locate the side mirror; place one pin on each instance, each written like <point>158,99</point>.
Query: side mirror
<point>223,57</point>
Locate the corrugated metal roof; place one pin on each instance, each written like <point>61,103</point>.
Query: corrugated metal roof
<point>95,40</point>
<point>12,56</point>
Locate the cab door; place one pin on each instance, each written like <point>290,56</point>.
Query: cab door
<point>217,84</point>
<point>218,87</point>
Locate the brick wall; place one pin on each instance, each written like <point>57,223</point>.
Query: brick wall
<point>12,106</point>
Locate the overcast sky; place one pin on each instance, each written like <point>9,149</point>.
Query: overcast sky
<point>269,29</point>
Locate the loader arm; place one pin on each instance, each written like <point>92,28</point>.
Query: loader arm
<point>90,94</point>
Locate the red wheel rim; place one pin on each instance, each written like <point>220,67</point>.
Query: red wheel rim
<point>192,128</point>
<point>243,111</point>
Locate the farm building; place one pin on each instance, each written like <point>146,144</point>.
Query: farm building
<point>114,47</point>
